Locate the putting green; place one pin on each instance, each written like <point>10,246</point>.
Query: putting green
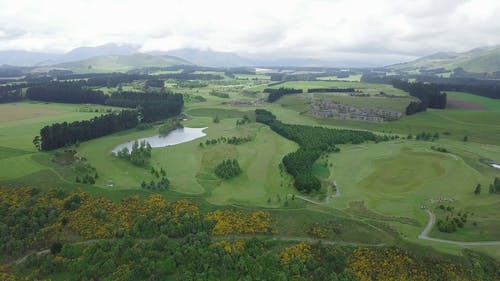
<point>403,172</point>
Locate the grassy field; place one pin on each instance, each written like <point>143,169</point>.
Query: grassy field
<point>382,185</point>
<point>121,63</point>
<point>21,122</point>
<point>190,167</point>
<point>396,178</point>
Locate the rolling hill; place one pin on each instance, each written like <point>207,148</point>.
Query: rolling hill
<point>479,60</point>
<point>28,59</point>
<point>120,63</point>
<point>209,57</point>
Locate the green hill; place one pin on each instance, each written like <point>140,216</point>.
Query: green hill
<point>478,60</point>
<point>120,63</point>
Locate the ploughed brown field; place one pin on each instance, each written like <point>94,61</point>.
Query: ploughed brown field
<point>456,103</point>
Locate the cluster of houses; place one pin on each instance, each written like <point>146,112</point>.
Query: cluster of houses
<point>332,109</point>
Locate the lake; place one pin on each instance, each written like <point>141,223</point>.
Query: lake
<point>177,136</point>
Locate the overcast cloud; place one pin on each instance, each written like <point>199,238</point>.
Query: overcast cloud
<point>310,28</point>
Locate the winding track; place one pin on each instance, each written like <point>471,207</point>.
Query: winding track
<point>424,235</point>
<point>275,238</point>
<point>428,228</point>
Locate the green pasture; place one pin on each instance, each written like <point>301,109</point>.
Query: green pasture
<point>21,122</point>
<point>368,88</point>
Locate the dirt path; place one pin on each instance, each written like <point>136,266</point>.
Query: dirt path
<point>337,189</point>
<point>328,197</point>
<point>46,251</point>
<point>428,228</point>
<point>216,238</point>
<point>309,200</point>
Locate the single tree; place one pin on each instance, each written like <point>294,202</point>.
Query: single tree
<point>56,248</point>
<point>37,142</point>
<point>477,191</point>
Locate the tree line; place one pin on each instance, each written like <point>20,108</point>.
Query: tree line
<point>478,86</point>
<point>152,106</point>
<point>429,95</point>
<point>331,90</point>
<point>275,94</point>
<point>62,134</point>
<point>228,140</point>
<point>65,92</point>
<point>495,186</point>
<point>190,76</point>
<point>100,79</point>
<point>10,95</point>
<point>482,87</point>
<point>314,142</point>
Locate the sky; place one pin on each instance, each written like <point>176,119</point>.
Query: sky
<point>326,29</point>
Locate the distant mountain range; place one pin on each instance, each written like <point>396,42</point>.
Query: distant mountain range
<point>208,57</point>
<point>479,60</point>
<point>26,58</point>
<point>123,57</point>
<point>228,59</point>
<point>109,53</point>
<point>76,59</point>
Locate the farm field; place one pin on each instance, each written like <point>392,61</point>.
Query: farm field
<point>483,102</point>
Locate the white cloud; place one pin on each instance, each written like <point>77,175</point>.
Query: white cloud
<point>312,28</point>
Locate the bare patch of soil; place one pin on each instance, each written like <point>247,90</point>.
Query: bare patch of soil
<point>456,103</point>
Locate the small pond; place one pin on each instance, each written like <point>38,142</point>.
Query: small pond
<point>177,136</point>
<point>496,166</point>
